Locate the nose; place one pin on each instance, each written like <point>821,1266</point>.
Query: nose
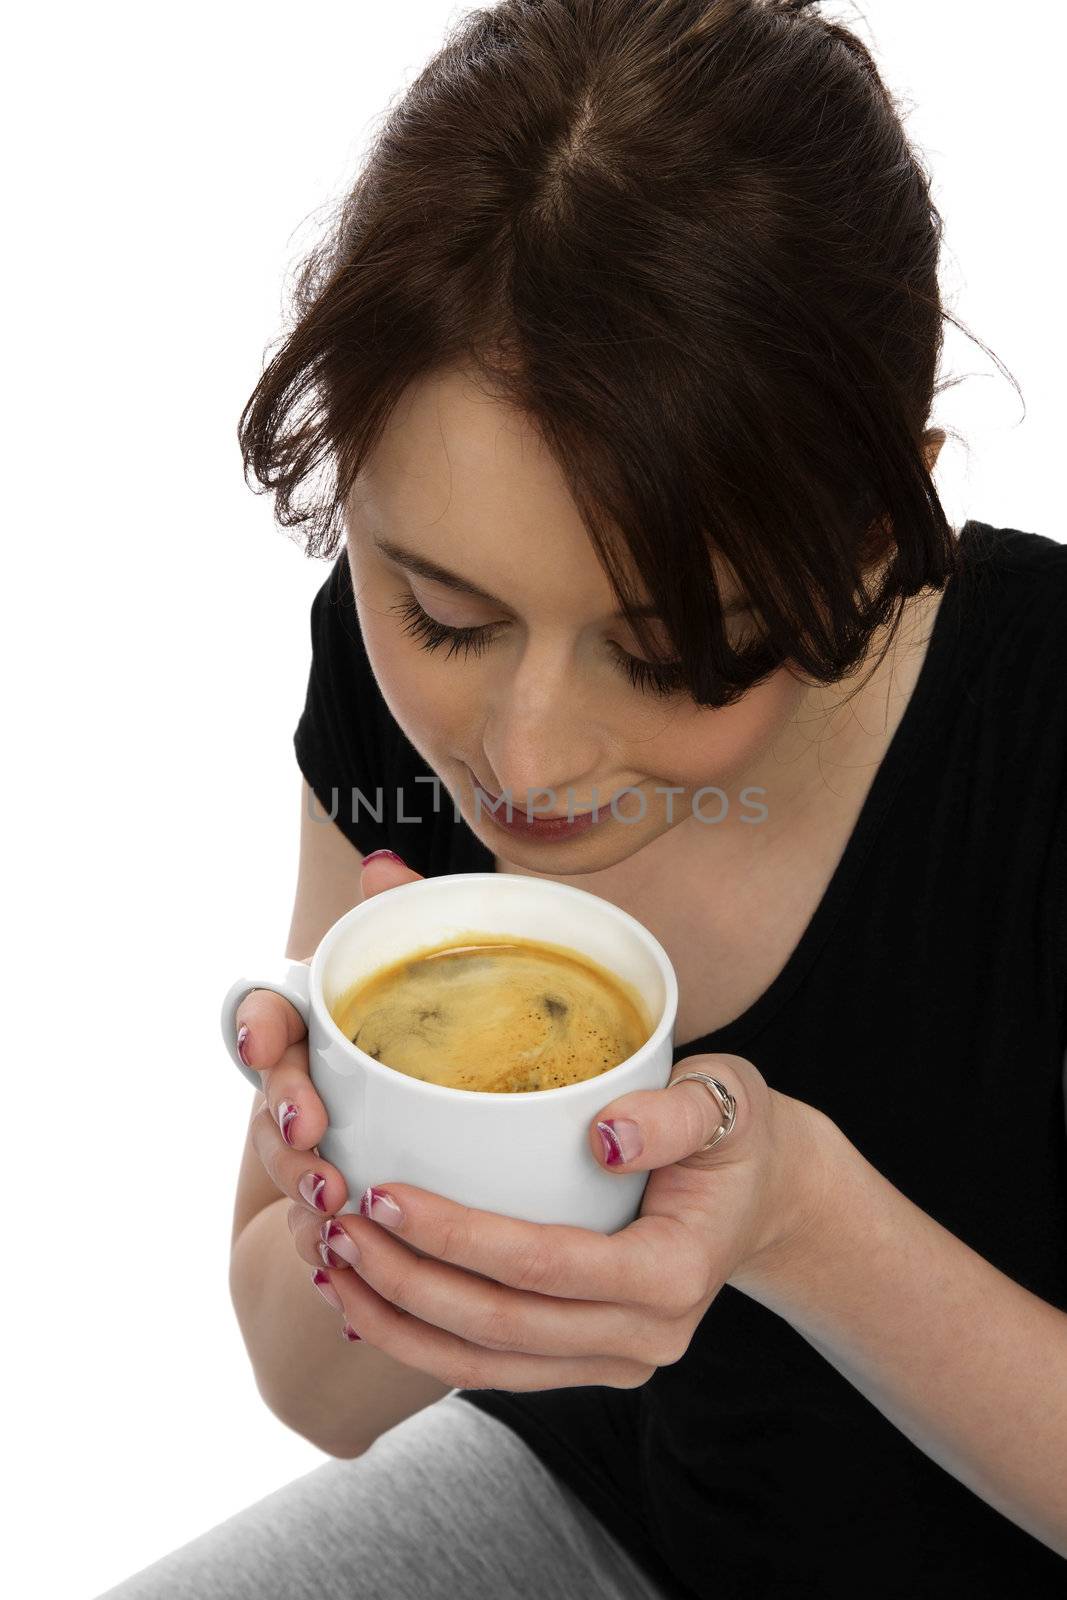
<point>538,735</point>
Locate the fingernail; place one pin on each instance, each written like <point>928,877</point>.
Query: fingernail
<point>621,1140</point>
<point>326,1289</point>
<point>334,1235</point>
<point>348,1332</point>
<point>286,1113</point>
<point>380,1207</point>
<point>330,1259</point>
<point>242,1043</point>
<point>311,1186</point>
<point>386,855</point>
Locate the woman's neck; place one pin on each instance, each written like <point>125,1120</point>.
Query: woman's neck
<point>823,764</point>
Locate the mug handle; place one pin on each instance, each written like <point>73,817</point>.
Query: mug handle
<point>294,986</point>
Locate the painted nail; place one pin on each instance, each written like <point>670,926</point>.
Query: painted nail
<point>383,855</point>
<point>380,1207</point>
<point>330,1259</point>
<point>621,1140</point>
<point>326,1289</point>
<point>342,1244</point>
<point>311,1186</point>
<point>286,1113</point>
<point>348,1332</point>
<point>242,1043</point>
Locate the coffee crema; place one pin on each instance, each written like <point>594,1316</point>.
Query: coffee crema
<point>495,1014</point>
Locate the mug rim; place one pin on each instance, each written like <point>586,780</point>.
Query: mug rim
<point>542,885</point>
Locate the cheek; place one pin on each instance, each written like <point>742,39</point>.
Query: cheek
<point>431,697</point>
<point>722,745</point>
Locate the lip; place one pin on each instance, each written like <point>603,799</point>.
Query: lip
<point>546,827</point>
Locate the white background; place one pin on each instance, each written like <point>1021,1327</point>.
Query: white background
<point>167,166</point>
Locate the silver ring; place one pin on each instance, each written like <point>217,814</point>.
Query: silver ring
<point>725,1100</point>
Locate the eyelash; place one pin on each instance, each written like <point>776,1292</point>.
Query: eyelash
<point>431,635</point>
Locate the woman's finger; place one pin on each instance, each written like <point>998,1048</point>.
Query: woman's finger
<point>463,1365</point>
<point>384,869</point>
<point>292,1100</point>
<point>300,1174</point>
<point>307,1228</point>
<point>272,1038</point>
<point>494,1316</point>
<point>266,1024</point>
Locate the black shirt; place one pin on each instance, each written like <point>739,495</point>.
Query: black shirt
<point>924,1009</point>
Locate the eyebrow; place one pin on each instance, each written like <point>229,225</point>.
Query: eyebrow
<point>452,580</point>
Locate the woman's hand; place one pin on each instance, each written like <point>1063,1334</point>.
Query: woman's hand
<point>287,1128</point>
<point>482,1301</point>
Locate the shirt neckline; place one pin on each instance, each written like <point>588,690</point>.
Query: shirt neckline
<point>930,685</point>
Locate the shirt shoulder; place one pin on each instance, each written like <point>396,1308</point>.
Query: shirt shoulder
<point>1010,617</point>
<point>1017,660</point>
<point>359,764</point>
<point>345,737</point>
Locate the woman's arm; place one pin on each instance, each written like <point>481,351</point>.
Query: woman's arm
<point>968,1364</point>
<point>338,1396</point>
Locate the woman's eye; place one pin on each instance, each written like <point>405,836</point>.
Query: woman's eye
<point>432,634</point>
<point>651,677</point>
<point>662,678</point>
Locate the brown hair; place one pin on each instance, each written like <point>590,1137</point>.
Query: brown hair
<point>691,240</point>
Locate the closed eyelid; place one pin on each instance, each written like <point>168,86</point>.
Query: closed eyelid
<point>424,591</point>
<point>468,627</point>
<point>663,657</point>
<point>735,608</point>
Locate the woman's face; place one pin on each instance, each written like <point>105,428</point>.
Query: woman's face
<point>545,697</point>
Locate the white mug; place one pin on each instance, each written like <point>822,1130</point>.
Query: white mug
<point>525,1155</point>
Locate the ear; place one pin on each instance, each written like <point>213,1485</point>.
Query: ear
<point>935,438</point>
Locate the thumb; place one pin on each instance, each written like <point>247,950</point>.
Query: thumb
<point>653,1128</point>
<point>384,869</point>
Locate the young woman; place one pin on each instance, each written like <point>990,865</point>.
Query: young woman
<point>621,357</point>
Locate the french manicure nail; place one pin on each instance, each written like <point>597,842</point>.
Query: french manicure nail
<point>338,1238</point>
<point>242,1043</point>
<point>311,1186</point>
<point>349,1333</point>
<point>326,1289</point>
<point>380,1207</point>
<point>286,1114</point>
<point>621,1140</point>
<point>383,855</point>
<point>329,1258</point>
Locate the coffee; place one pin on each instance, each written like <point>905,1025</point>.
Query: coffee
<point>497,1014</point>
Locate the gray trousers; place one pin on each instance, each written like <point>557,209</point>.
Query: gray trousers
<point>448,1505</point>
